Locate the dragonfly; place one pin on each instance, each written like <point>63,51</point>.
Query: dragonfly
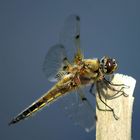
<point>71,72</point>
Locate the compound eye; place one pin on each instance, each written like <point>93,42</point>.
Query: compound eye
<point>111,66</point>
<point>108,65</point>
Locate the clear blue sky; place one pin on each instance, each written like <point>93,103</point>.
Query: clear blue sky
<point>28,28</point>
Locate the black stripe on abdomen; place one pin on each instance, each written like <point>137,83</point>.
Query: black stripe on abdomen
<point>28,112</point>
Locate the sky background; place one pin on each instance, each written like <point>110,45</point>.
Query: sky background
<point>28,28</point>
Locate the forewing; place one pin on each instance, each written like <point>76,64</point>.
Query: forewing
<point>79,110</point>
<point>54,62</point>
<point>70,37</point>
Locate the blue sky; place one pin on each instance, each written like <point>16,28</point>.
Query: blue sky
<point>29,28</point>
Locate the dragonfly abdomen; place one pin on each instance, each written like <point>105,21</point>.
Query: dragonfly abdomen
<point>29,111</point>
<point>46,99</point>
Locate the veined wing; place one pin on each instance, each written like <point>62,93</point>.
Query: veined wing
<point>56,60</point>
<point>79,110</point>
<point>55,63</point>
<point>70,38</point>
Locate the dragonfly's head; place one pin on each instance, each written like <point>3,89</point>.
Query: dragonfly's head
<point>108,65</point>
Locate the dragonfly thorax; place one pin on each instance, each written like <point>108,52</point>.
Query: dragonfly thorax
<point>92,64</point>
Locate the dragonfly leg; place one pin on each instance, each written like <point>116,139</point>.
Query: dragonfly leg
<point>110,83</point>
<point>110,108</point>
<point>110,86</point>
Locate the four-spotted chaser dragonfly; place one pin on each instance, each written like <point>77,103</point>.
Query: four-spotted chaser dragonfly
<point>65,64</point>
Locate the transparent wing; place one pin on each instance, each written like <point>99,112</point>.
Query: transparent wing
<point>79,110</point>
<point>56,57</point>
<point>70,37</point>
<point>54,63</point>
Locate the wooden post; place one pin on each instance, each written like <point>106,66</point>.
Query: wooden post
<point>107,127</point>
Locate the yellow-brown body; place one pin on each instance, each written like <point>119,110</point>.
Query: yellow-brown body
<point>81,74</point>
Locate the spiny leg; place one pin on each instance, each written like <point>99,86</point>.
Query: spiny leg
<point>107,85</point>
<point>110,108</point>
<point>110,83</point>
<point>114,96</point>
<point>117,92</point>
<point>110,86</point>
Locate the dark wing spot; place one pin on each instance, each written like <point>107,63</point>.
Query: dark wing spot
<point>65,58</point>
<point>77,36</point>
<point>78,18</point>
<point>84,99</point>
